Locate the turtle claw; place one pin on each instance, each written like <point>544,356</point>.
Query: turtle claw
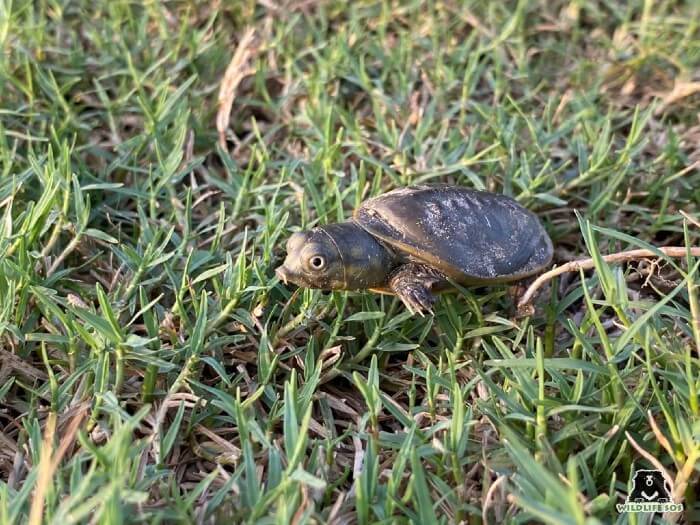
<point>417,299</point>
<point>411,283</point>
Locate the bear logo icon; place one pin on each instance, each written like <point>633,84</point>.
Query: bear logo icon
<point>650,486</point>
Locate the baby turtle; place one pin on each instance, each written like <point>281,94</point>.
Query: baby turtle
<point>410,241</point>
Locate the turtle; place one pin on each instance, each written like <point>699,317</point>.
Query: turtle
<point>416,241</point>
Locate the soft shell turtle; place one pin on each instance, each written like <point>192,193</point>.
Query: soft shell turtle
<point>410,241</point>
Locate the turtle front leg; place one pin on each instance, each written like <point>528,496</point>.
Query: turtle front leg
<point>412,283</point>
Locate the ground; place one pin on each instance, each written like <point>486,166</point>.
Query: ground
<point>156,157</point>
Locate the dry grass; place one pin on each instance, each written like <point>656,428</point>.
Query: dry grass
<point>154,159</point>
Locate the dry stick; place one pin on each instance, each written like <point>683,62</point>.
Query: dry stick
<point>680,485</point>
<point>686,215</point>
<point>660,437</point>
<point>239,68</point>
<point>489,498</point>
<point>65,253</point>
<point>49,462</point>
<point>651,459</point>
<point>45,472</point>
<point>589,263</point>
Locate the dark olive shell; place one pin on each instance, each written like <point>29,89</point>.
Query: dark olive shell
<point>472,236</point>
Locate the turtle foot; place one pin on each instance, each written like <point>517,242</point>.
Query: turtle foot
<point>411,284</point>
<point>418,300</point>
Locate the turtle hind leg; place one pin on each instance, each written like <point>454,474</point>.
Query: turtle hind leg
<point>412,283</point>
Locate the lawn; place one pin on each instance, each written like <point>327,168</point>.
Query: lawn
<point>156,156</point>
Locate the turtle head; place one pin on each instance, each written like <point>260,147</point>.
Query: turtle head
<point>312,261</point>
<point>335,257</point>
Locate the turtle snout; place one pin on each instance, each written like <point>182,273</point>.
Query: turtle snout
<point>282,274</point>
<point>289,272</point>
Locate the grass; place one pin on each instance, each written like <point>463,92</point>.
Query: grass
<point>153,368</point>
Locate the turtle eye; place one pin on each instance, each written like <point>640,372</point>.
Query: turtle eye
<point>317,262</point>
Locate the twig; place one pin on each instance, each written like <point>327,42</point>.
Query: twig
<point>680,485</point>
<point>489,497</point>
<point>239,68</point>
<point>689,217</point>
<point>45,472</point>
<point>524,306</point>
<point>659,436</point>
<point>49,462</point>
<point>651,459</point>
<point>72,245</point>
<point>681,89</point>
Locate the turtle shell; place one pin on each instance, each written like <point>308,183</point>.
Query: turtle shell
<point>473,237</point>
